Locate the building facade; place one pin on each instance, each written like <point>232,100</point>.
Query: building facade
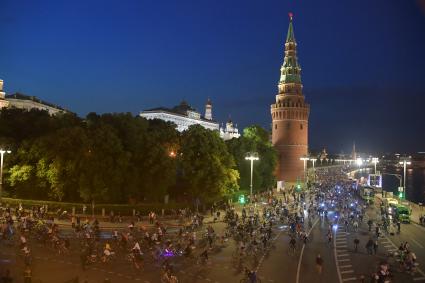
<point>290,114</point>
<point>183,116</point>
<point>3,102</point>
<point>26,102</point>
<point>230,131</point>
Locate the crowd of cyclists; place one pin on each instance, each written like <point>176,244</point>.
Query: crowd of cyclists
<point>253,229</point>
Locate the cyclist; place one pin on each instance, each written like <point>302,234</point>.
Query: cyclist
<point>292,244</point>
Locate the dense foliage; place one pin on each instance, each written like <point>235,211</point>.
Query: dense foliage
<point>254,140</point>
<point>120,158</point>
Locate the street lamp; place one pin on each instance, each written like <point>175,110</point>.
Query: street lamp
<point>404,162</point>
<point>313,160</point>
<point>251,157</point>
<point>374,161</point>
<point>305,159</point>
<point>2,152</point>
<point>359,162</point>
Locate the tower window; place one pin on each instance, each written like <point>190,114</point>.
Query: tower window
<point>301,126</point>
<point>288,125</point>
<point>275,126</point>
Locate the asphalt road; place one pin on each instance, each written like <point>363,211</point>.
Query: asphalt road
<point>341,262</point>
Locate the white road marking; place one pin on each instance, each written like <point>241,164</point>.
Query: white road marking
<point>417,243</point>
<point>302,252</point>
<point>349,279</point>
<point>346,266</point>
<point>343,255</point>
<point>419,279</point>
<point>347,271</point>
<point>346,259</point>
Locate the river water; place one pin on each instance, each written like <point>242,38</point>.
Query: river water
<point>415,182</point>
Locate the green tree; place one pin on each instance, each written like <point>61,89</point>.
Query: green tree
<point>254,139</point>
<point>208,170</point>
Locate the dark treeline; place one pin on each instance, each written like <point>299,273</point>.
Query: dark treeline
<point>120,158</point>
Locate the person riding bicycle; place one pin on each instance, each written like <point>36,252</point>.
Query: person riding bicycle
<point>251,274</point>
<point>292,243</point>
<point>204,255</point>
<point>107,252</point>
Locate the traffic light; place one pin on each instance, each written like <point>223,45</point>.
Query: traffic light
<point>401,195</point>
<point>298,188</point>
<point>241,199</point>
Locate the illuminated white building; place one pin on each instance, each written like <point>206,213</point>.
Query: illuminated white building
<point>3,101</point>
<point>230,131</point>
<point>183,116</point>
<point>26,102</point>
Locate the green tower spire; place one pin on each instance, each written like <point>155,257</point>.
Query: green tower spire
<point>290,70</point>
<point>290,36</point>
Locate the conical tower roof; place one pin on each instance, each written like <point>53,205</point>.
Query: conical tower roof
<point>290,37</point>
<point>290,70</point>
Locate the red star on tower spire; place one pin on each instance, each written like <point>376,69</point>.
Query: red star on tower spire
<point>290,15</point>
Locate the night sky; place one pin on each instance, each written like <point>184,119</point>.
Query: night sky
<point>363,61</point>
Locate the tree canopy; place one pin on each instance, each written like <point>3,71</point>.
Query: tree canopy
<point>121,158</point>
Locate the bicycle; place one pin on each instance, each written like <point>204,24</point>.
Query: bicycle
<point>250,277</point>
<point>292,250</point>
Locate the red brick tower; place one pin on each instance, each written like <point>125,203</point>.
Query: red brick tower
<point>290,116</point>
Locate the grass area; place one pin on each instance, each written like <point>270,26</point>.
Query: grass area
<point>123,209</point>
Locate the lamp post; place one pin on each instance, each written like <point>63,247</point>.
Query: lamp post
<point>251,157</point>
<point>304,159</point>
<point>313,160</point>
<point>2,152</point>
<point>404,162</point>
<point>374,161</point>
<point>359,162</point>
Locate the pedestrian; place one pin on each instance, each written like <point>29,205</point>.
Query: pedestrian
<point>27,275</point>
<point>356,244</point>
<point>83,259</point>
<point>375,247</point>
<point>6,278</point>
<point>369,246</point>
<point>319,264</point>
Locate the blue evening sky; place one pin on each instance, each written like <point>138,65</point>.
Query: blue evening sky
<point>363,61</point>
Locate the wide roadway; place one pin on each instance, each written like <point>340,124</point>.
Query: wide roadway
<point>341,263</point>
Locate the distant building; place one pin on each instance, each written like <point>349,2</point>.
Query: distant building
<point>21,101</point>
<point>353,152</point>
<point>230,131</point>
<point>3,102</point>
<point>183,116</point>
<point>26,102</point>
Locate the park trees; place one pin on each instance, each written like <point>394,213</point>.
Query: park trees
<point>254,139</point>
<point>208,170</point>
<point>121,158</point>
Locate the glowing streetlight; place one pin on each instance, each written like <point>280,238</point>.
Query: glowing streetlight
<point>304,159</point>
<point>359,161</point>
<point>374,161</point>
<point>251,157</point>
<point>313,160</point>
<point>2,152</point>
<point>404,162</point>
